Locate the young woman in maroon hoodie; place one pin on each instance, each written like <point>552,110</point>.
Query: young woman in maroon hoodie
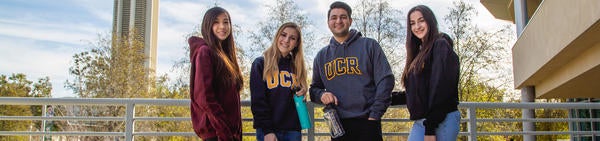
<point>215,80</point>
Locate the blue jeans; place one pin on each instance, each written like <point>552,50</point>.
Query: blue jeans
<point>446,131</point>
<point>281,135</point>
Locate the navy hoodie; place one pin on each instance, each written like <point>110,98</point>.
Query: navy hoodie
<point>357,73</point>
<point>433,93</point>
<point>272,102</point>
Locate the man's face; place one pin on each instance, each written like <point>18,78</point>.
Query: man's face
<point>339,22</point>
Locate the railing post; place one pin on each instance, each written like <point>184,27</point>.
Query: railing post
<point>129,121</point>
<point>528,96</point>
<point>472,124</point>
<point>44,114</point>
<point>592,124</point>
<point>311,111</point>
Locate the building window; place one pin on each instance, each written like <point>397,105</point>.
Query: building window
<point>585,126</point>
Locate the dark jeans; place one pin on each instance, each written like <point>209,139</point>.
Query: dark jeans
<point>281,135</point>
<point>361,130</point>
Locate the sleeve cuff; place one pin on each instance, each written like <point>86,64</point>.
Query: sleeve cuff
<point>268,131</point>
<point>375,115</point>
<point>318,96</point>
<point>428,130</point>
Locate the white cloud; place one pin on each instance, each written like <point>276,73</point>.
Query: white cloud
<point>246,15</point>
<point>54,32</point>
<point>101,9</point>
<point>170,47</point>
<point>181,12</point>
<point>36,60</point>
<point>41,41</point>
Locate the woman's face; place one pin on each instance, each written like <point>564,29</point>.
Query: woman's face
<point>418,26</point>
<point>287,40</point>
<point>221,27</point>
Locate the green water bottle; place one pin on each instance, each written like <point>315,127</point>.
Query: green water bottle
<point>301,109</point>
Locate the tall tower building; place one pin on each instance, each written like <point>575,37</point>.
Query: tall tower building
<point>141,15</point>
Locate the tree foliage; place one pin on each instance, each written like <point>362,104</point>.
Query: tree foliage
<point>481,53</point>
<point>112,68</point>
<point>379,20</point>
<point>17,85</point>
<point>280,12</point>
<point>485,73</point>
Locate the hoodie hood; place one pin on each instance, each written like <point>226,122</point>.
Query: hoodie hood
<point>354,34</point>
<point>195,43</point>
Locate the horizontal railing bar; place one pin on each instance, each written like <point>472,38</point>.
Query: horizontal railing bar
<point>532,105</point>
<point>539,120</point>
<point>382,120</point>
<point>91,101</point>
<point>252,133</point>
<point>12,133</point>
<point>162,118</point>
<point>174,119</point>
<point>186,102</point>
<point>395,120</point>
<point>540,133</point>
<point>164,134</point>
<point>62,118</point>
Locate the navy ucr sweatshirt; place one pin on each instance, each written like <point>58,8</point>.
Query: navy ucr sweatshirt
<point>272,102</point>
<point>357,73</point>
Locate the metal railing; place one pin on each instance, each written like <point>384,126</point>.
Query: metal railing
<point>471,119</point>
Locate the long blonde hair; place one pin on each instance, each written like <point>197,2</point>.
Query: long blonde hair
<point>272,56</point>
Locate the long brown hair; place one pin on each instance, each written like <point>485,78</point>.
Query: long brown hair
<point>415,57</point>
<point>224,52</point>
<point>272,56</point>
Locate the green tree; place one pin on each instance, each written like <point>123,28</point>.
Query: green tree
<point>112,68</point>
<point>481,53</point>
<point>551,126</point>
<point>379,20</point>
<point>17,85</point>
<point>280,12</point>
<point>168,91</point>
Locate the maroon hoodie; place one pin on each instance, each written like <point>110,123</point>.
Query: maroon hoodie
<point>215,113</point>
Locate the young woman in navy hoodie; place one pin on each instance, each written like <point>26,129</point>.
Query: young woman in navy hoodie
<point>272,78</point>
<point>215,80</point>
<point>430,78</point>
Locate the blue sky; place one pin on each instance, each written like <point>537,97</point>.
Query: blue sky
<point>39,37</point>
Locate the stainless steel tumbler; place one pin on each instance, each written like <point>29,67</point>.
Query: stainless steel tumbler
<point>333,121</point>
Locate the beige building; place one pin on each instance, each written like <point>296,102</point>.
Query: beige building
<point>557,55</point>
<point>141,15</point>
<point>558,51</point>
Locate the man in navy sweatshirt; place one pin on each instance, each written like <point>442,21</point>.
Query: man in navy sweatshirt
<point>353,74</point>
